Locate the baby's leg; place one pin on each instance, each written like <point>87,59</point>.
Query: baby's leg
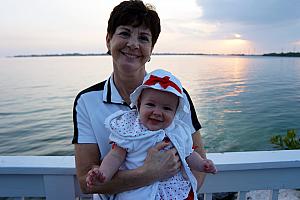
<point>109,166</point>
<point>95,177</point>
<point>209,166</point>
<point>196,162</point>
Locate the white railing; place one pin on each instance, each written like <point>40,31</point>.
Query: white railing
<point>54,177</point>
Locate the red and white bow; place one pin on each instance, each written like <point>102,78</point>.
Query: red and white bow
<point>164,82</point>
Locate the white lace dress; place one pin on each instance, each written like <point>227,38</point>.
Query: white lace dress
<point>128,133</point>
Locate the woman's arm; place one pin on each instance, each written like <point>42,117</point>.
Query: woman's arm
<point>199,148</point>
<point>198,144</point>
<point>158,165</point>
<point>86,157</point>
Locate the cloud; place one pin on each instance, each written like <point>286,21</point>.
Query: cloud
<point>269,25</point>
<point>297,43</point>
<point>250,11</point>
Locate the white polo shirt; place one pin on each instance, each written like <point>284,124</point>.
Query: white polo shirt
<point>94,104</point>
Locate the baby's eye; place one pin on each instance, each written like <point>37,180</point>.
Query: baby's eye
<point>168,108</point>
<point>150,104</point>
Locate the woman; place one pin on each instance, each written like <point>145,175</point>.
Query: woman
<point>132,32</point>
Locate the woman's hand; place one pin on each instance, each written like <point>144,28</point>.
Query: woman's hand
<point>162,164</point>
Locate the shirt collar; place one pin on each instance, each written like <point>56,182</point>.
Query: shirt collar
<point>111,94</point>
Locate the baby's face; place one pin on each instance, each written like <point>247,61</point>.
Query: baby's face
<point>157,109</point>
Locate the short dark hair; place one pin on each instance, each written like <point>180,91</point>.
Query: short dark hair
<point>135,13</point>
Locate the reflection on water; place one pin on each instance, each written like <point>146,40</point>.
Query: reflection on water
<point>240,101</point>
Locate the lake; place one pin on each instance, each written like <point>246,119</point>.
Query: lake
<point>240,101</point>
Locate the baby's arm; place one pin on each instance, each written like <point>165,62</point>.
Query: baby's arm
<point>109,166</point>
<point>196,162</point>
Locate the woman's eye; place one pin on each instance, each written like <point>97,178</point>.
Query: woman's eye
<point>124,34</point>
<point>144,38</point>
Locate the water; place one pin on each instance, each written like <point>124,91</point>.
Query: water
<point>240,101</point>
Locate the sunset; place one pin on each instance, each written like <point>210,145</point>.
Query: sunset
<point>199,26</point>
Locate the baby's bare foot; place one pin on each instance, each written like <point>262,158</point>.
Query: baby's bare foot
<point>101,177</point>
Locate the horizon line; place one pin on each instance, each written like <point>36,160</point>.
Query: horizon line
<point>295,54</point>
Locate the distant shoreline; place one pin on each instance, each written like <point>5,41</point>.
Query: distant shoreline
<point>288,54</point>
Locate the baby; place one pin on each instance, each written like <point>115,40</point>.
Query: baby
<point>159,105</point>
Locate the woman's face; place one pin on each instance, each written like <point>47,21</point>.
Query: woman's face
<point>130,47</point>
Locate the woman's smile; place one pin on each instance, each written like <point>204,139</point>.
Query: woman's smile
<point>130,55</point>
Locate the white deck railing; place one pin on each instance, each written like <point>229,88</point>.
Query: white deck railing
<point>54,177</point>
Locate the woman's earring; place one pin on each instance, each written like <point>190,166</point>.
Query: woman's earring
<point>149,59</point>
<point>108,52</point>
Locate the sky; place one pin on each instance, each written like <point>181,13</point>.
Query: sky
<point>197,26</point>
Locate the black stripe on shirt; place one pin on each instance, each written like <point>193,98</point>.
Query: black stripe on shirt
<point>108,95</point>
<point>195,120</point>
<point>97,87</point>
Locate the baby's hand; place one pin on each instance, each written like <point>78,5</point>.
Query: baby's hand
<point>209,166</point>
<point>95,177</point>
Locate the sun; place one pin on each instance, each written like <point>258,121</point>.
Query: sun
<point>237,36</point>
